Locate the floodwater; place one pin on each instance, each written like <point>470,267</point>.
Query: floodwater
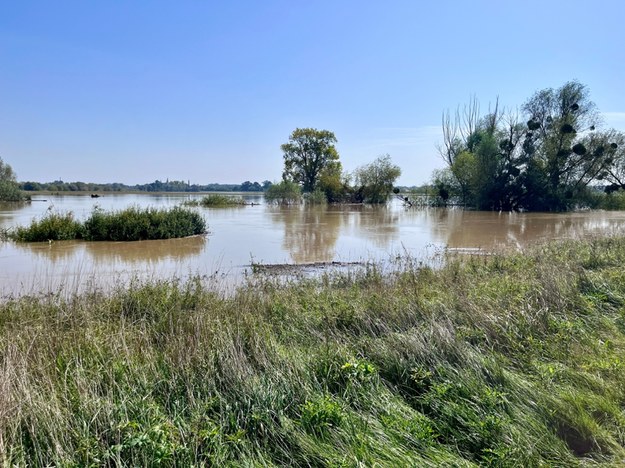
<point>266,234</point>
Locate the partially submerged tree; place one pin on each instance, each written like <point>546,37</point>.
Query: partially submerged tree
<point>545,163</point>
<point>9,188</point>
<point>307,155</point>
<point>374,182</point>
<point>558,125</point>
<point>284,193</point>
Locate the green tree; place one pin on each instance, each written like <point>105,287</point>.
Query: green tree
<point>546,163</point>
<point>445,186</point>
<point>558,125</point>
<point>9,188</point>
<point>307,154</point>
<point>611,142</point>
<point>374,181</point>
<point>333,183</point>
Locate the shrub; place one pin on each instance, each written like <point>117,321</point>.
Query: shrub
<point>127,225</point>
<point>216,200</point>
<point>316,197</point>
<point>143,224</point>
<point>53,226</point>
<point>284,193</point>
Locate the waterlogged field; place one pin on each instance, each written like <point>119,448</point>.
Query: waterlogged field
<point>262,234</point>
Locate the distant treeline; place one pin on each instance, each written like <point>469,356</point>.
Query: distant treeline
<point>156,186</point>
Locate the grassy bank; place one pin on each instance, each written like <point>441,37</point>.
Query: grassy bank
<point>130,224</point>
<point>493,361</point>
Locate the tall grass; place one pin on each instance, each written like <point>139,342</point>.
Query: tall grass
<point>512,360</point>
<point>130,224</point>
<point>53,226</point>
<point>143,224</point>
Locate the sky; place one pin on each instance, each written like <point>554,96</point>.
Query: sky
<point>207,91</point>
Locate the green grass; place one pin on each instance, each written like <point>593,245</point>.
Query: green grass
<point>215,200</point>
<point>53,226</point>
<point>511,360</point>
<point>130,224</point>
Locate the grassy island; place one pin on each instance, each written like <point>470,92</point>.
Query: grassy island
<point>505,360</point>
<point>216,200</point>
<point>131,224</point>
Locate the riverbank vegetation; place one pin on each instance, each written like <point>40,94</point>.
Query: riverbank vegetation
<point>504,360</point>
<point>552,157</point>
<point>130,224</point>
<point>216,200</point>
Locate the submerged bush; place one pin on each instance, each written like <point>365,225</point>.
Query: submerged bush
<point>316,197</point>
<point>284,193</point>
<point>53,226</point>
<point>130,224</point>
<point>216,200</point>
<point>135,223</point>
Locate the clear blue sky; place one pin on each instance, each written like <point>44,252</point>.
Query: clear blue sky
<point>104,91</point>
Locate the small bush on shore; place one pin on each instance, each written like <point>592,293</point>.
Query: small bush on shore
<point>131,224</point>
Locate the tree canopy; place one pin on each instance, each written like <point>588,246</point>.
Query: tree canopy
<point>9,188</point>
<point>547,158</point>
<point>308,153</point>
<point>374,181</point>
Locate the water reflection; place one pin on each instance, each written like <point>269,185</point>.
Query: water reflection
<point>54,252</point>
<point>377,224</point>
<point>465,229</point>
<point>152,251</point>
<point>271,234</point>
<point>310,234</point>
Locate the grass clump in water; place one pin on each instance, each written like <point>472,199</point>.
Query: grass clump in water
<point>215,200</point>
<point>131,224</point>
<point>512,360</point>
<point>53,226</point>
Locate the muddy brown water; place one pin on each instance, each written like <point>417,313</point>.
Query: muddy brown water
<point>268,235</point>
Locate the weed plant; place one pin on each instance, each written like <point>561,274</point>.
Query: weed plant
<point>510,360</point>
<point>130,224</point>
